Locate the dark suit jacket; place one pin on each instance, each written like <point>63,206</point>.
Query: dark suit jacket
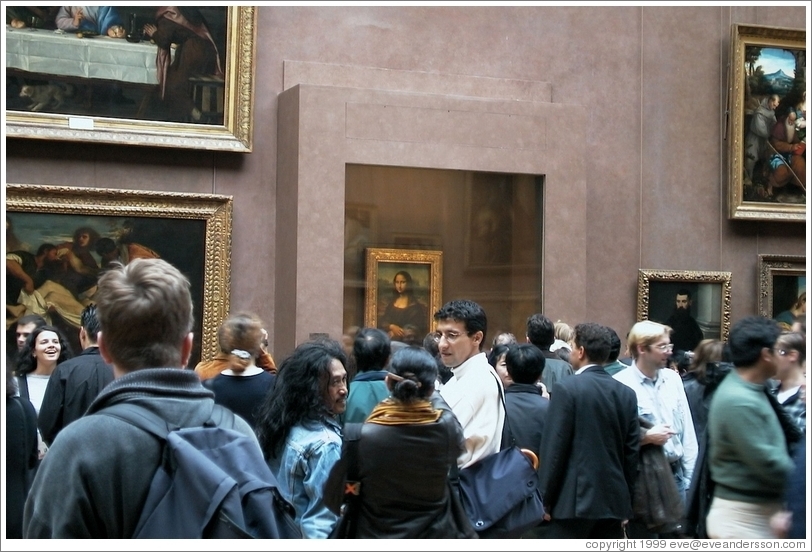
<point>589,448</point>
<point>71,388</point>
<point>526,413</point>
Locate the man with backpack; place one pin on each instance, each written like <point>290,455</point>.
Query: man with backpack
<point>95,480</point>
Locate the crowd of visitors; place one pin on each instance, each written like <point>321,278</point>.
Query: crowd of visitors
<point>627,447</point>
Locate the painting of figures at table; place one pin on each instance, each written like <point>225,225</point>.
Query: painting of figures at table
<point>53,261</point>
<point>157,63</point>
<point>774,166</point>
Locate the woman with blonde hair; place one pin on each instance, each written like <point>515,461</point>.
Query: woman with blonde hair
<point>242,385</point>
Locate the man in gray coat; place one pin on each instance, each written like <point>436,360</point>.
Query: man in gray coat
<point>94,480</point>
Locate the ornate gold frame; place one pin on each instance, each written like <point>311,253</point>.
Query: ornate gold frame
<point>646,277</point>
<point>770,266</point>
<point>741,37</point>
<point>375,256</point>
<point>215,210</point>
<point>234,135</point>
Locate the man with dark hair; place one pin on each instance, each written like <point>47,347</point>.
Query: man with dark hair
<point>686,331</point>
<point>473,392</point>
<point>525,405</point>
<point>590,446</point>
<point>299,433</point>
<point>541,333</point>
<point>613,365</point>
<point>748,455</point>
<point>94,481</point>
<point>75,383</point>
<point>371,349</point>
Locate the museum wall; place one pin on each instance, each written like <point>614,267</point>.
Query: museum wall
<point>648,84</point>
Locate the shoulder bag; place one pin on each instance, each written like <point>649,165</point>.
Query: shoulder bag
<point>500,493</point>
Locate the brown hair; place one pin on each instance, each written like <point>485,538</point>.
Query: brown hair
<point>145,311</point>
<point>240,337</point>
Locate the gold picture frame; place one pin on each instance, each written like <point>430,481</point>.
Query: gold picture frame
<point>191,231</point>
<point>425,269</point>
<point>709,293</point>
<point>781,279</point>
<point>226,103</point>
<point>765,61</point>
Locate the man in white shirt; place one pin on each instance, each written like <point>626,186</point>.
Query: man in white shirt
<point>661,399</point>
<point>473,393</point>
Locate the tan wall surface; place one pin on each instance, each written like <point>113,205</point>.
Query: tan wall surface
<point>647,84</point>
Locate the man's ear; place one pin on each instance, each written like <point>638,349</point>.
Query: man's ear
<point>186,351</point>
<point>105,354</point>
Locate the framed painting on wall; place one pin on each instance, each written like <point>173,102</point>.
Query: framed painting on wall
<point>67,237</point>
<point>403,291</point>
<point>782,288</point>
<point>696,305</point>
<point>767,126</point>
<point>139,75</point>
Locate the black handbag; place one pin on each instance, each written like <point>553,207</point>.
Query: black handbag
<point>347,525</point>
<point>500,493</point>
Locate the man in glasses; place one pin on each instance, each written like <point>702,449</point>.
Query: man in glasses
<point>473,392</point>
<point>662,401</point>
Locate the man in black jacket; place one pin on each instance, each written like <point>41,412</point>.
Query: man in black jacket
<point>590,446</point>
<point>526,408</point>
<point>74,383</point>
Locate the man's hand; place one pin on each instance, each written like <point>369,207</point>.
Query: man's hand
<point>658,435</point>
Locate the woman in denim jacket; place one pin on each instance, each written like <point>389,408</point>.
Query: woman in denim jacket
<point>299,433</point>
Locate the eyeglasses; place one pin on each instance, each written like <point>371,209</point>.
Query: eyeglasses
<point>781,352</point>
<point>665,347</point>
<point>451,337</point>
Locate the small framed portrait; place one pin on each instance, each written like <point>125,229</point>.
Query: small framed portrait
<point>767,124</point>
<point>65,238</point>
<point>403,291</point>
<point>782,288</point>
<point>696,305</point>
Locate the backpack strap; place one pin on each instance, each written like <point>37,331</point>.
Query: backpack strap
<point>22,382</point>
<point>352,434</point>
<point>152,423</point>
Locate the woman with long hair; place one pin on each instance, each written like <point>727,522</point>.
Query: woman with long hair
<point>405,451</point>
<point>44,348</point>
<point>299,432</point>
<point>404,309</point>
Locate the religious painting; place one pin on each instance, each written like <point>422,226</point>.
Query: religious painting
<point>65,238</point>
<point>767,127</point>
<point>696,305</point>
<point>782,288</point>
<point>403,291</point>
<point>173,76</point>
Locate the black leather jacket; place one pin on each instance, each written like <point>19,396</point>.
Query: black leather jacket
<point>403,471</point>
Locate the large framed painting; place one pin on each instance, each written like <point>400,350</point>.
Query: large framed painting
<point>782,288</point>
<point>172,76</point>
<point>66,237</point>
<point>767,125</point>
<point>696,305</point>
<point>403,291</point>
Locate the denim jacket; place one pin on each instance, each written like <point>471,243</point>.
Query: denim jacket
<point>302,468</point>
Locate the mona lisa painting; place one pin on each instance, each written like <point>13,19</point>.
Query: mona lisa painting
<point>403,291</point>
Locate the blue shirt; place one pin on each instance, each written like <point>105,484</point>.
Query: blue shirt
<point>302,468</point>
<point>662,401</point>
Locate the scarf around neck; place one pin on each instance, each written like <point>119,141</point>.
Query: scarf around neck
<point>392,412</point>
